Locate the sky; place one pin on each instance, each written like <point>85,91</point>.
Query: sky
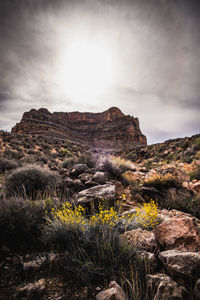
<point>142,56</point>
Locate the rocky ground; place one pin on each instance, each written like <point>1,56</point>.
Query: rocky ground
<point>168,173</point>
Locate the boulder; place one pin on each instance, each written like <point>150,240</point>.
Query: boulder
<point>144,240</point>
<point>181,233</point>
<point>114,292</point>
<point>165,288</point>
<point>84,177</point>
<point>186,264</point>
<point>99,177</point>
<point>104,192</point>
<point>78,169</point>
<point>74,185</point>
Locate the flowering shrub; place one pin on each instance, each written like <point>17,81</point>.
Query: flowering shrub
<point>147,215</point>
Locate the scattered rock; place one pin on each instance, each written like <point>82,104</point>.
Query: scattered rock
<point>32,290</point>
<point>142,239</point>
<point>186,264</point>
<point>115,292</point>
<point>181,233</point>
<point>35,263</point>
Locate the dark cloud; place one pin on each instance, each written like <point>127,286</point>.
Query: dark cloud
<point>155,42</point>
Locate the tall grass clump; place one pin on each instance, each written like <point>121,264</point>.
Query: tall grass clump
<point>116,166</point>
<point>162,182</point>
<point>30,181</point>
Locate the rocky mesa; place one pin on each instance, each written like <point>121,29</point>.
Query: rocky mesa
<point>108,129</point>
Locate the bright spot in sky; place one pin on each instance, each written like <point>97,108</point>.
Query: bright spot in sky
<point>86,69</point>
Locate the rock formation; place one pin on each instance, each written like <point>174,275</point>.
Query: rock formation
<point>109,129</point>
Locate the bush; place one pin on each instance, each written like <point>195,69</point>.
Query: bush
<point>162,182</point>
<point>29,181</point>
<point>195,174</point>
<point>7,165</point>
<point>87,159</point>
<point>187,204</point>
<point>65,152</point>
<point>20,223</point>
<point>68,163</point>
<point>96,251</point>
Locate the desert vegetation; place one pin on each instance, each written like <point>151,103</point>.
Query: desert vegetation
<point>78,219</point>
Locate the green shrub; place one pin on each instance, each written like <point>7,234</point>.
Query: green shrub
<point>20,223</point>
<point>7,165</point>
<point>65,152</point>
<point>30,181</point>
<point>68,163</point>
<point>196,145</point>
<point>187,204</point>
<point>87,159</point>
<point>195,174</point>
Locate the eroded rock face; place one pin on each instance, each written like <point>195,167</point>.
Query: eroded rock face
<point>109,129</point>
<point>181,233</point>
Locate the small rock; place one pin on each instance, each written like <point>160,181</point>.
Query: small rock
<point>33,290</point>
<point>115,292</point>
<point>35,264</point>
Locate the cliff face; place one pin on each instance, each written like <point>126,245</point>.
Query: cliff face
<point>109,129</point>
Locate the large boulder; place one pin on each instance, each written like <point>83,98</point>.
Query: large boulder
<point>114,292</point>
<point>144,240</point>
<point>93,195</point>
<point>182,233</point>
<point>185,264</point>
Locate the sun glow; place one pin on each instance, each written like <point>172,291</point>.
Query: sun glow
<point>86,69</point>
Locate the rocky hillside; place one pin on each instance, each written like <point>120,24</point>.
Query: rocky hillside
<point>109,129</point>
<point>99,225</point>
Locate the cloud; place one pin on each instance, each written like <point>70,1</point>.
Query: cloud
<point>155,45</point>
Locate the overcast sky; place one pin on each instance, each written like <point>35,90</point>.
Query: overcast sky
<point>142,56</point>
